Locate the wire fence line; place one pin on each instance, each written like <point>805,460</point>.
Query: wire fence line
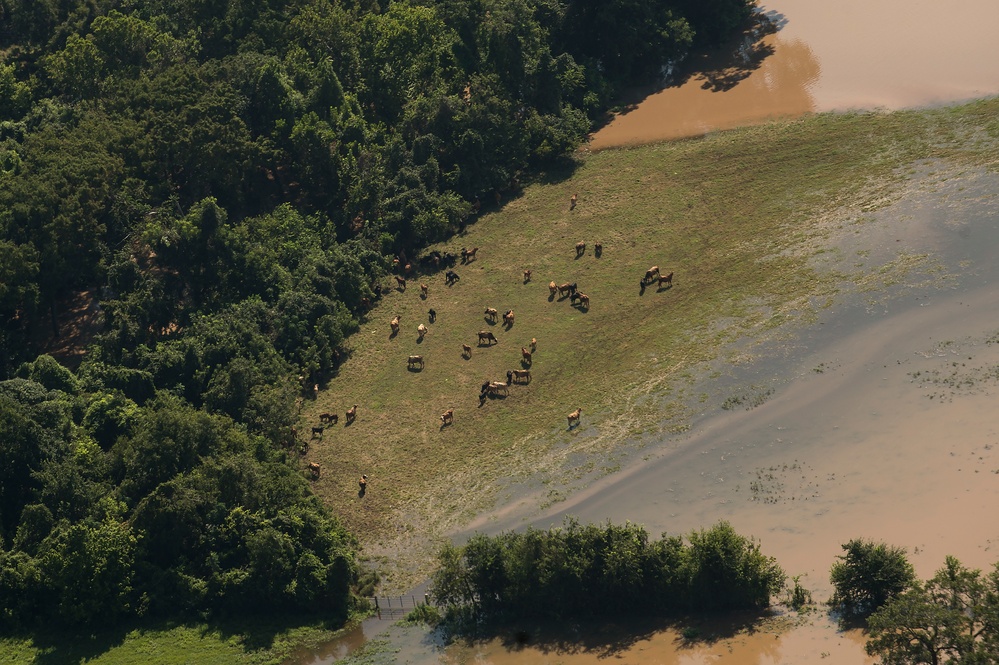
<point>394,607</point>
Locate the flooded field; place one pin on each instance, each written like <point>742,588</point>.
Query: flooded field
<point>853,54</point>
<point>878,421</point>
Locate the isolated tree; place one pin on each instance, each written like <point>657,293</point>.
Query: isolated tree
<point>868,576</point>
<point>943,621</point>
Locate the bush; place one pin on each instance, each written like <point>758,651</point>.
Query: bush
<point>598,571</point>
<point>868,576</point>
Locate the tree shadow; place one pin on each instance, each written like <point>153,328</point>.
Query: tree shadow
<point>720,68</point>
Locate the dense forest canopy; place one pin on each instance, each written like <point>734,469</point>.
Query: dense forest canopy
<point>230,180</point>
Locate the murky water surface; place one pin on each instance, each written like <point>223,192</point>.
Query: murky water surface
<point>824,56</point>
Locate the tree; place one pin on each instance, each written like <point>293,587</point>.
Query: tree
<point>943,621</point>
<point>867,576</point>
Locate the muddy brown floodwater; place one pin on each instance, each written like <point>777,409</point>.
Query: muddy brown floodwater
<point>825,56</point>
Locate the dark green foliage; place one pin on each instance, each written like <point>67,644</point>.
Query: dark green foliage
<point>184,512</point>
<point>599,571</point>
<point>867,576</point>
<point>951,618</point>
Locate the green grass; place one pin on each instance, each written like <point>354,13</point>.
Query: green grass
<point>738,216</point>
<point>249,643</point>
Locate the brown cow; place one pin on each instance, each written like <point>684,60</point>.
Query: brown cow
<point>400,282</point>
<point>574,416</point>
<point>527,276</point>
<point>414,361</point>
<point>447,417</point>
<point>572,201</point>
<point>552,287</point>
<point>394,323</point>
<point>580,248</point>
<point>351,413</point>
<point>466,350</point>
<point>315,469</point>
<point>666,279</point>
<point>526,355</point>
<point>329,418</point>
<point>534,344</point>
<point>508,317</point>
<point>423,290</point>
<point>517,375</point>
<point>485,335</point>
<point>491,313</point>
<point>421,330</point>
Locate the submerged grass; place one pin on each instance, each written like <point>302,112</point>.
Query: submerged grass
<point>738,217</point>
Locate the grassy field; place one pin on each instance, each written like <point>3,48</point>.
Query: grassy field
<point>736,216</point>
<point>249,643</point>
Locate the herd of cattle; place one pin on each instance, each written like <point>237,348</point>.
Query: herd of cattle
<point>485,337</point>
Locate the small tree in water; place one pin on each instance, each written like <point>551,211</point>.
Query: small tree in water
<point>868,576</point>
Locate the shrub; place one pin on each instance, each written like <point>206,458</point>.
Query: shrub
<point>867,576</point>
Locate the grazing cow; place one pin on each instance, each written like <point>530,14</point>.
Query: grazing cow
<point>468,254</point>
<point>394,323</point>
<point>447,417</point>
<point>498,387</point>
<point>414,361</point>
<point>400,282</point>
<point>466,350</point>
<point>566,289</point>
<point>666,279</point>
<point>584,300</point>
<point>598,249</point>
<point>527,276</point>
<point>491,313</point>
<point>315,469</point>
<point>424,289</point>
<point>486,336</point>
<point>580,248</point>
<point>450,277</point>
<point>651,273</point>
<point>534,344</point>
<point>351,413</point>
<point>574,416</point>
<point>552,288</point>
<point>318,431</point>
<point>363,484</point>
<point>518,375</point>
<point>572,201</point>
<point>432,314</point>
<point>329,418</point>
<point>421,330</point>
<point>525,355</point>
<point>508,317</point>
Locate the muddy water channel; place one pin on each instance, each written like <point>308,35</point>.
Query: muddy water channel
<point>823,56</point>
